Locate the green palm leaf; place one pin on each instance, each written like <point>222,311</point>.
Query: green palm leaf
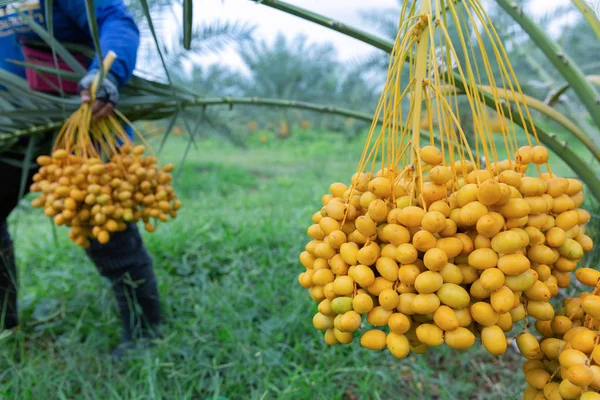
<point>90,10</point>
<point>54,44</point>
<point>53,71</point>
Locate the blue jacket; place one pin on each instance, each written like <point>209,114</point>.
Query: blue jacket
<point>118,32</point>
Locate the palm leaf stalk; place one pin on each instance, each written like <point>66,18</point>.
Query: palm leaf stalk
<point>589,14</point>
<point>588,95</point>
<point>552,113</point>
<point>586,133</point>
<point>587,173</point>
<point>149,107</point>
<point>161,110</point>
<point>156,107</point>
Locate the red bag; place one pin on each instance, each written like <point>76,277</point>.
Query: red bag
<point>43,82</point>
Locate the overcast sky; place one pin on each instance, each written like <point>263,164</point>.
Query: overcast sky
<point>270,21</point>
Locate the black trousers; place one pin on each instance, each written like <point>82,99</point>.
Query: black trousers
<point>123,260</point>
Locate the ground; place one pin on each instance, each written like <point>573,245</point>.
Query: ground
<point>238,324</point>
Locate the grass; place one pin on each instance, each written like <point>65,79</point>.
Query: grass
<point>238,324</point>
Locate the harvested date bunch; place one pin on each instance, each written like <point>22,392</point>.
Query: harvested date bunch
<point>96,181</point>
<point>96,199</point>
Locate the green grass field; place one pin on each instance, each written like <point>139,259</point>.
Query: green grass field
<point>238,325</point>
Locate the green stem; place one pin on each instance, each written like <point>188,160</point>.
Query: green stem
<point>158,110</point>
<point>158,105</point>
<point>7,136</point>
<point>252,101</point>
<point>557,56</point>
<point>365,37</point>
<point>589,15</point>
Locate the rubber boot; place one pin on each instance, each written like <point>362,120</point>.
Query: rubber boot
<point>127,265</point>
<point>138,301</point>
<point>8,281</point>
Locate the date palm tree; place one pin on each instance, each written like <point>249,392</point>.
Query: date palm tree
<point>24,112</point>
<point>556,55</point>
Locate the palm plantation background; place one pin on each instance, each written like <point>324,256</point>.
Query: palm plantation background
<point>256,146</point>
<point>292,68</point>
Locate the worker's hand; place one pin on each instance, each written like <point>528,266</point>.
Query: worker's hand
<point>100,108</point>
<point>107,94</point>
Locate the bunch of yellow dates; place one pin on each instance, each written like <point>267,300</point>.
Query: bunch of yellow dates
<point>455,255</point>
<point>96,198</point>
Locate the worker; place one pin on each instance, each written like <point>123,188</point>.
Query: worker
<point>123,260</point>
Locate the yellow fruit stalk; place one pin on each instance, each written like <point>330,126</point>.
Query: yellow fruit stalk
<point>443,236</point>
